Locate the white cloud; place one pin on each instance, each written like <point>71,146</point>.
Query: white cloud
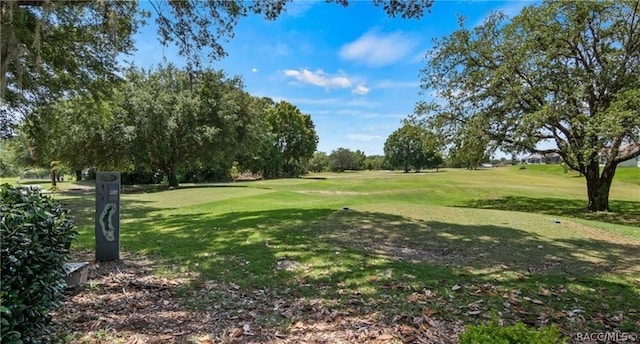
<point>254,69</point>
<point>363,137</point>
<point>318,78</point>
<point>378,49</point>
<point>360,89</point>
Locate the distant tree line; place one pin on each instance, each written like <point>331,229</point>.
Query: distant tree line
<point>343,159</point>
<point>166,122</point>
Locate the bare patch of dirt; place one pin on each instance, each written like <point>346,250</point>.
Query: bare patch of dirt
<point>128,302</point>
<point>125,302</point>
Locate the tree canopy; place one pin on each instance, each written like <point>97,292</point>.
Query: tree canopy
<point>171,123</point>
<point>292,140</point>
<point>562,73</point>
<point>411,146</point>
<point>51,49</point>
<point>343,159</point>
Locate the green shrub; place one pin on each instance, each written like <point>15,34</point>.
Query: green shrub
<point>36,234</point>
<point>493,333</point>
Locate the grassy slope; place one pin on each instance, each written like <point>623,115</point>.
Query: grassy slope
<point>505,236</point>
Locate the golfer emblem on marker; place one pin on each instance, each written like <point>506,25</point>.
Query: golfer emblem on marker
<point>106,221</point>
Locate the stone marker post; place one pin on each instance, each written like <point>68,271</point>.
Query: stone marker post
<point>107,216</point>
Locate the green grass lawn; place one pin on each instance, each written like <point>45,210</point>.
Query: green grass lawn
<point>456,245</point>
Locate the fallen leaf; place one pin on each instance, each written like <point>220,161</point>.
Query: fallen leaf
<point>456,287</point>
<point>409,338</point>
<point>429,312</point>
<point>136,340</point>
<point>205,340</point>
<point>287,313</point>
<point>536,301</point>
<point>413,297</point>
<point>544,292</point>
<point>617,318</point>
<point>393,285</point>
<point>489,293</point>
<point>385,337</point>
<point>237,333</point>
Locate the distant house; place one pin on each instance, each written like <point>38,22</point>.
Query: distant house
<point>633,162</point>
<point>537,158</point>
<point>553,158</point>
<point>534,158</point>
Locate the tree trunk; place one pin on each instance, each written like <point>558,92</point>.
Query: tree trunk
<point>54,179</point>
<point>599,185</point>
<point>78,175</point>
<point>172,178</point>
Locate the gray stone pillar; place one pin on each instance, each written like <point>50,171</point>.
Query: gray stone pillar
<point>107,216</point>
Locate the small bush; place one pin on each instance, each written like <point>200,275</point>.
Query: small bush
<point>493,333</point>
<point>36,234</point>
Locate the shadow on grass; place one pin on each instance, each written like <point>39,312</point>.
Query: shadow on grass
<point>483,247</point>
<point>373,263</point>
<point>622,212</point>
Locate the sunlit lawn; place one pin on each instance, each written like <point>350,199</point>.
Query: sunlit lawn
<point>455,244</point>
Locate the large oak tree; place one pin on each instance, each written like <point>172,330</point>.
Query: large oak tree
<point>179,119</point>
<point>563,72</point>
<point>292,140</point>
<point>411,146</point>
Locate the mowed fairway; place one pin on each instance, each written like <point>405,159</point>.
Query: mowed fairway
<point>365,256</point>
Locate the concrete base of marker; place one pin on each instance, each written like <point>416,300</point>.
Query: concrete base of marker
<point>76,273</point>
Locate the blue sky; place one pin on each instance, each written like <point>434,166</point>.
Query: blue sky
<point>354,69</point>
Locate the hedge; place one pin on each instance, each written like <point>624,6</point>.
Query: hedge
<point>36,234</point>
